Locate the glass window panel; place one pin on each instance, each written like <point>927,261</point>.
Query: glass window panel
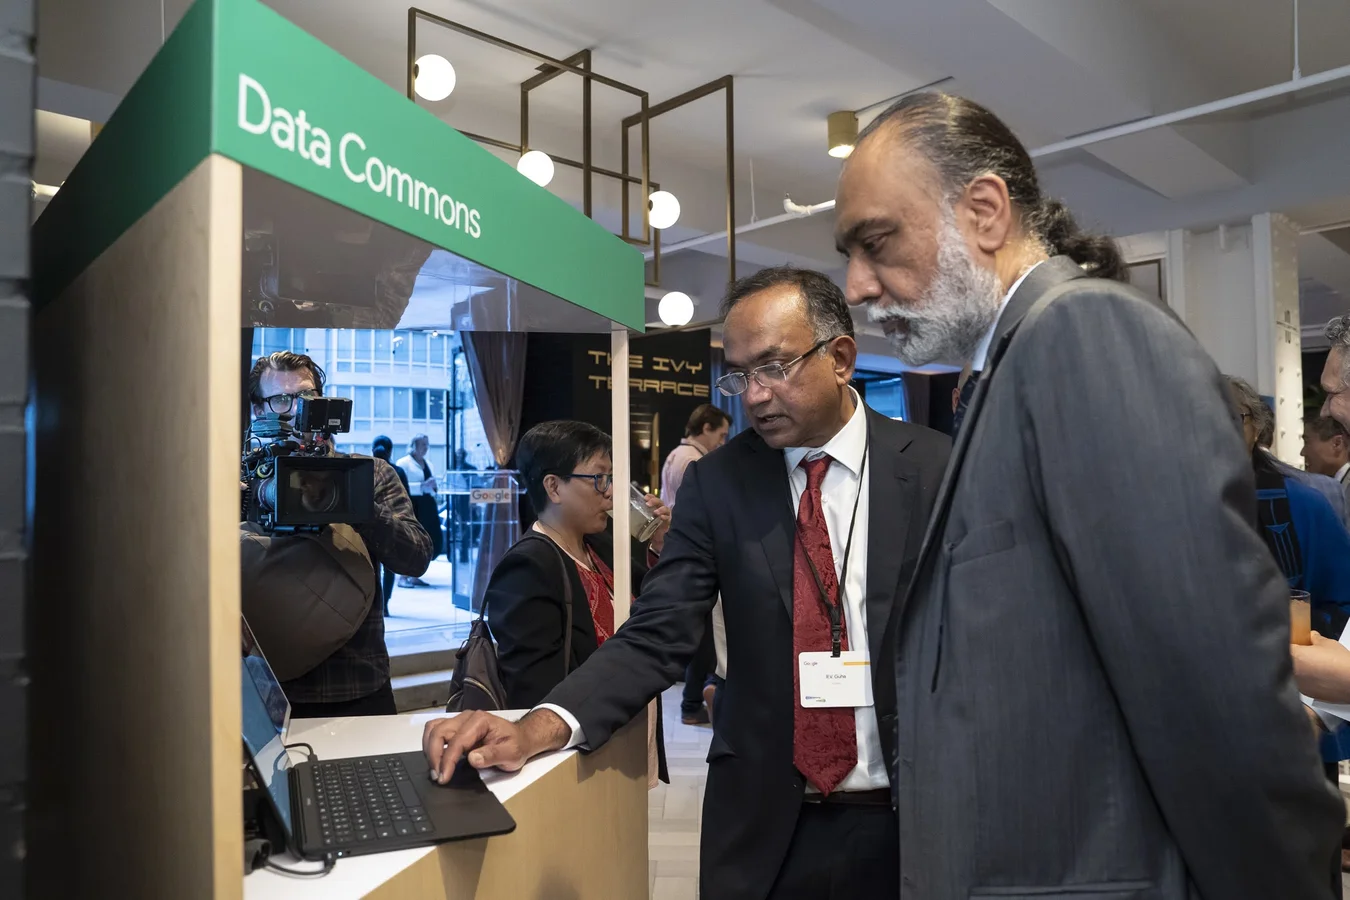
<point>436,403</point>
<point>402,346</point>
<point>383,348</point>
<point>419,347</point>
<point>361,367</point>
<point>383,402</point>
<point>402,403</point>
<point>419,400</point>
<point>438,350</point>
<point>365,340</point>
<point>344,342</point>
<point>344,366</point>
<point>361,402</point>
<point>257,343</point>
<point>360,424</point>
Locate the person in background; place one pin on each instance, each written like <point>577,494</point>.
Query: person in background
<point>1326,451</point>
<point>354,680</point>
<point>1303,530</point>
<point>705,431</point>
<point>568,476</point>
<point>383,448</point>
<point>1093,613</point>
<point>422,489</point>
<point>1327,487</point>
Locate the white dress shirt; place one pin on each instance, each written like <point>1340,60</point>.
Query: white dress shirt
<point>841,486</point>
<point>1343,472</point>
<point>977,363</point>
<point>846,480</point>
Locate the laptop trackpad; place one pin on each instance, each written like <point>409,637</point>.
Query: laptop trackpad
<point>461,808</point>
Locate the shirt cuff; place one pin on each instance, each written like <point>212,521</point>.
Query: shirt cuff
<point>578,736</point>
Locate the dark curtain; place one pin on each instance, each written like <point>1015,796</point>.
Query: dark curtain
<point>496,361</point>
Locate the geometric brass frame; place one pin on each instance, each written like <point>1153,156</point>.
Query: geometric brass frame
<point>579,64</point>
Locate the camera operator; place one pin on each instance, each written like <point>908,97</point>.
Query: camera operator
<point>353,680</point>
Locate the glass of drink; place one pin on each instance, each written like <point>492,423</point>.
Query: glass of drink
<point>642,522</point>
<point>1300,618</point>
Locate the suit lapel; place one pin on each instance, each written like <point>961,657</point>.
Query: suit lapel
<point>891,491</point>
<point>1047,275</point>
<point>768,478</point>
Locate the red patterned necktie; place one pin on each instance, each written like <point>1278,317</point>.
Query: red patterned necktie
<point>824,740</point>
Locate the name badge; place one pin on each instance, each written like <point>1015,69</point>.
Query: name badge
<point>828,680</point>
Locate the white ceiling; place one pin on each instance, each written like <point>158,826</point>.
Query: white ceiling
<point>1052,68</point>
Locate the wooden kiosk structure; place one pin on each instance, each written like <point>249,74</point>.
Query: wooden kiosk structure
<point>253,176</point>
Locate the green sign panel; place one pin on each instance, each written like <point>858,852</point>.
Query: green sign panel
<point>283,103</point>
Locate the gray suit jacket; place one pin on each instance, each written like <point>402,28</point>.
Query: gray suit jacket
<point>1094,681</point>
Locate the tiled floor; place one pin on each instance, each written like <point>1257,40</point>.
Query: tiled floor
<point>675,811</point>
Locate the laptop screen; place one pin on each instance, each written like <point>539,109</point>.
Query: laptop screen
<point>265,745</point>
<point>266,716</point>
<point>278,707</point>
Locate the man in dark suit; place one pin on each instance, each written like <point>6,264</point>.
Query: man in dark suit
<point>1093,673</point>
<point>823,492</point>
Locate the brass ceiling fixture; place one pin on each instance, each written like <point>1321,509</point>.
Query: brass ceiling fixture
<point>433,78</point>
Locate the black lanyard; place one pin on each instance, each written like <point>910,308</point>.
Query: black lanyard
<point>835,610</point>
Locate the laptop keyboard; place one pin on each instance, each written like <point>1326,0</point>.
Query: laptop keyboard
<point>369,799</point>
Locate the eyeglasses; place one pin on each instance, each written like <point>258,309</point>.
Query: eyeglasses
<point>283,403</point>
<point>601,482</point>
<point>769,376</point>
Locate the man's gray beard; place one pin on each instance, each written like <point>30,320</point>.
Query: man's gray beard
<point>954,313</point>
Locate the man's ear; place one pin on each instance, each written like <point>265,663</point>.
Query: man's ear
<point>844,355</point>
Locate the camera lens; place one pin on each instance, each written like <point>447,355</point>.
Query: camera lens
<point>318,492</point>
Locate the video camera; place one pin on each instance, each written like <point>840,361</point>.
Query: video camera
<point>296,484</point>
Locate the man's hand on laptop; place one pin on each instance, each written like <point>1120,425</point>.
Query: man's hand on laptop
<point>490,741</point>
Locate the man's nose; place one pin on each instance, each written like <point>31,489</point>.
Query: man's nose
<point>756,394</point>
<point>860,283</point>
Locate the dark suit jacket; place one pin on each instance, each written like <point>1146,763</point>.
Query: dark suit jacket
<point>1093,662</point>
<point>524,601</point>
<point>733,532</point>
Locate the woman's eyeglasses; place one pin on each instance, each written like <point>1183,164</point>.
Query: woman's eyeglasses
<point>284,403</point>
<point>601,482</point>
<point>767,376</point>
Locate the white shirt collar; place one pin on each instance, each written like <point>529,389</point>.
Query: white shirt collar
<point>1342,472</point>
<point>982,351</point>
<point>846,447</point>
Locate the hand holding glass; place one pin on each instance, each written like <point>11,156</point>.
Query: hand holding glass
<point>1300,618</point>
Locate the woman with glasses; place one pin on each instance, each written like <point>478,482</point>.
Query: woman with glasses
<point>568,552</point>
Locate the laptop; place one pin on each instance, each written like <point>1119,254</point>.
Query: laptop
<point>356,805</point>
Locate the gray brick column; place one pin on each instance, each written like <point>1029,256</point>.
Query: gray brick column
<point>18,75</point>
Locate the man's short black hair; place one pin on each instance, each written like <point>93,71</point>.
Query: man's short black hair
<point>1324,428</point>
<point>826,308</point>
<point>556,448</point>
<point>704,416</point>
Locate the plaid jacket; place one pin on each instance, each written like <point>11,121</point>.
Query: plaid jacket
<point>395,539</point>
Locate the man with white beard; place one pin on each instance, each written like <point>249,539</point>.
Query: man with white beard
<point>1093,665</point>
